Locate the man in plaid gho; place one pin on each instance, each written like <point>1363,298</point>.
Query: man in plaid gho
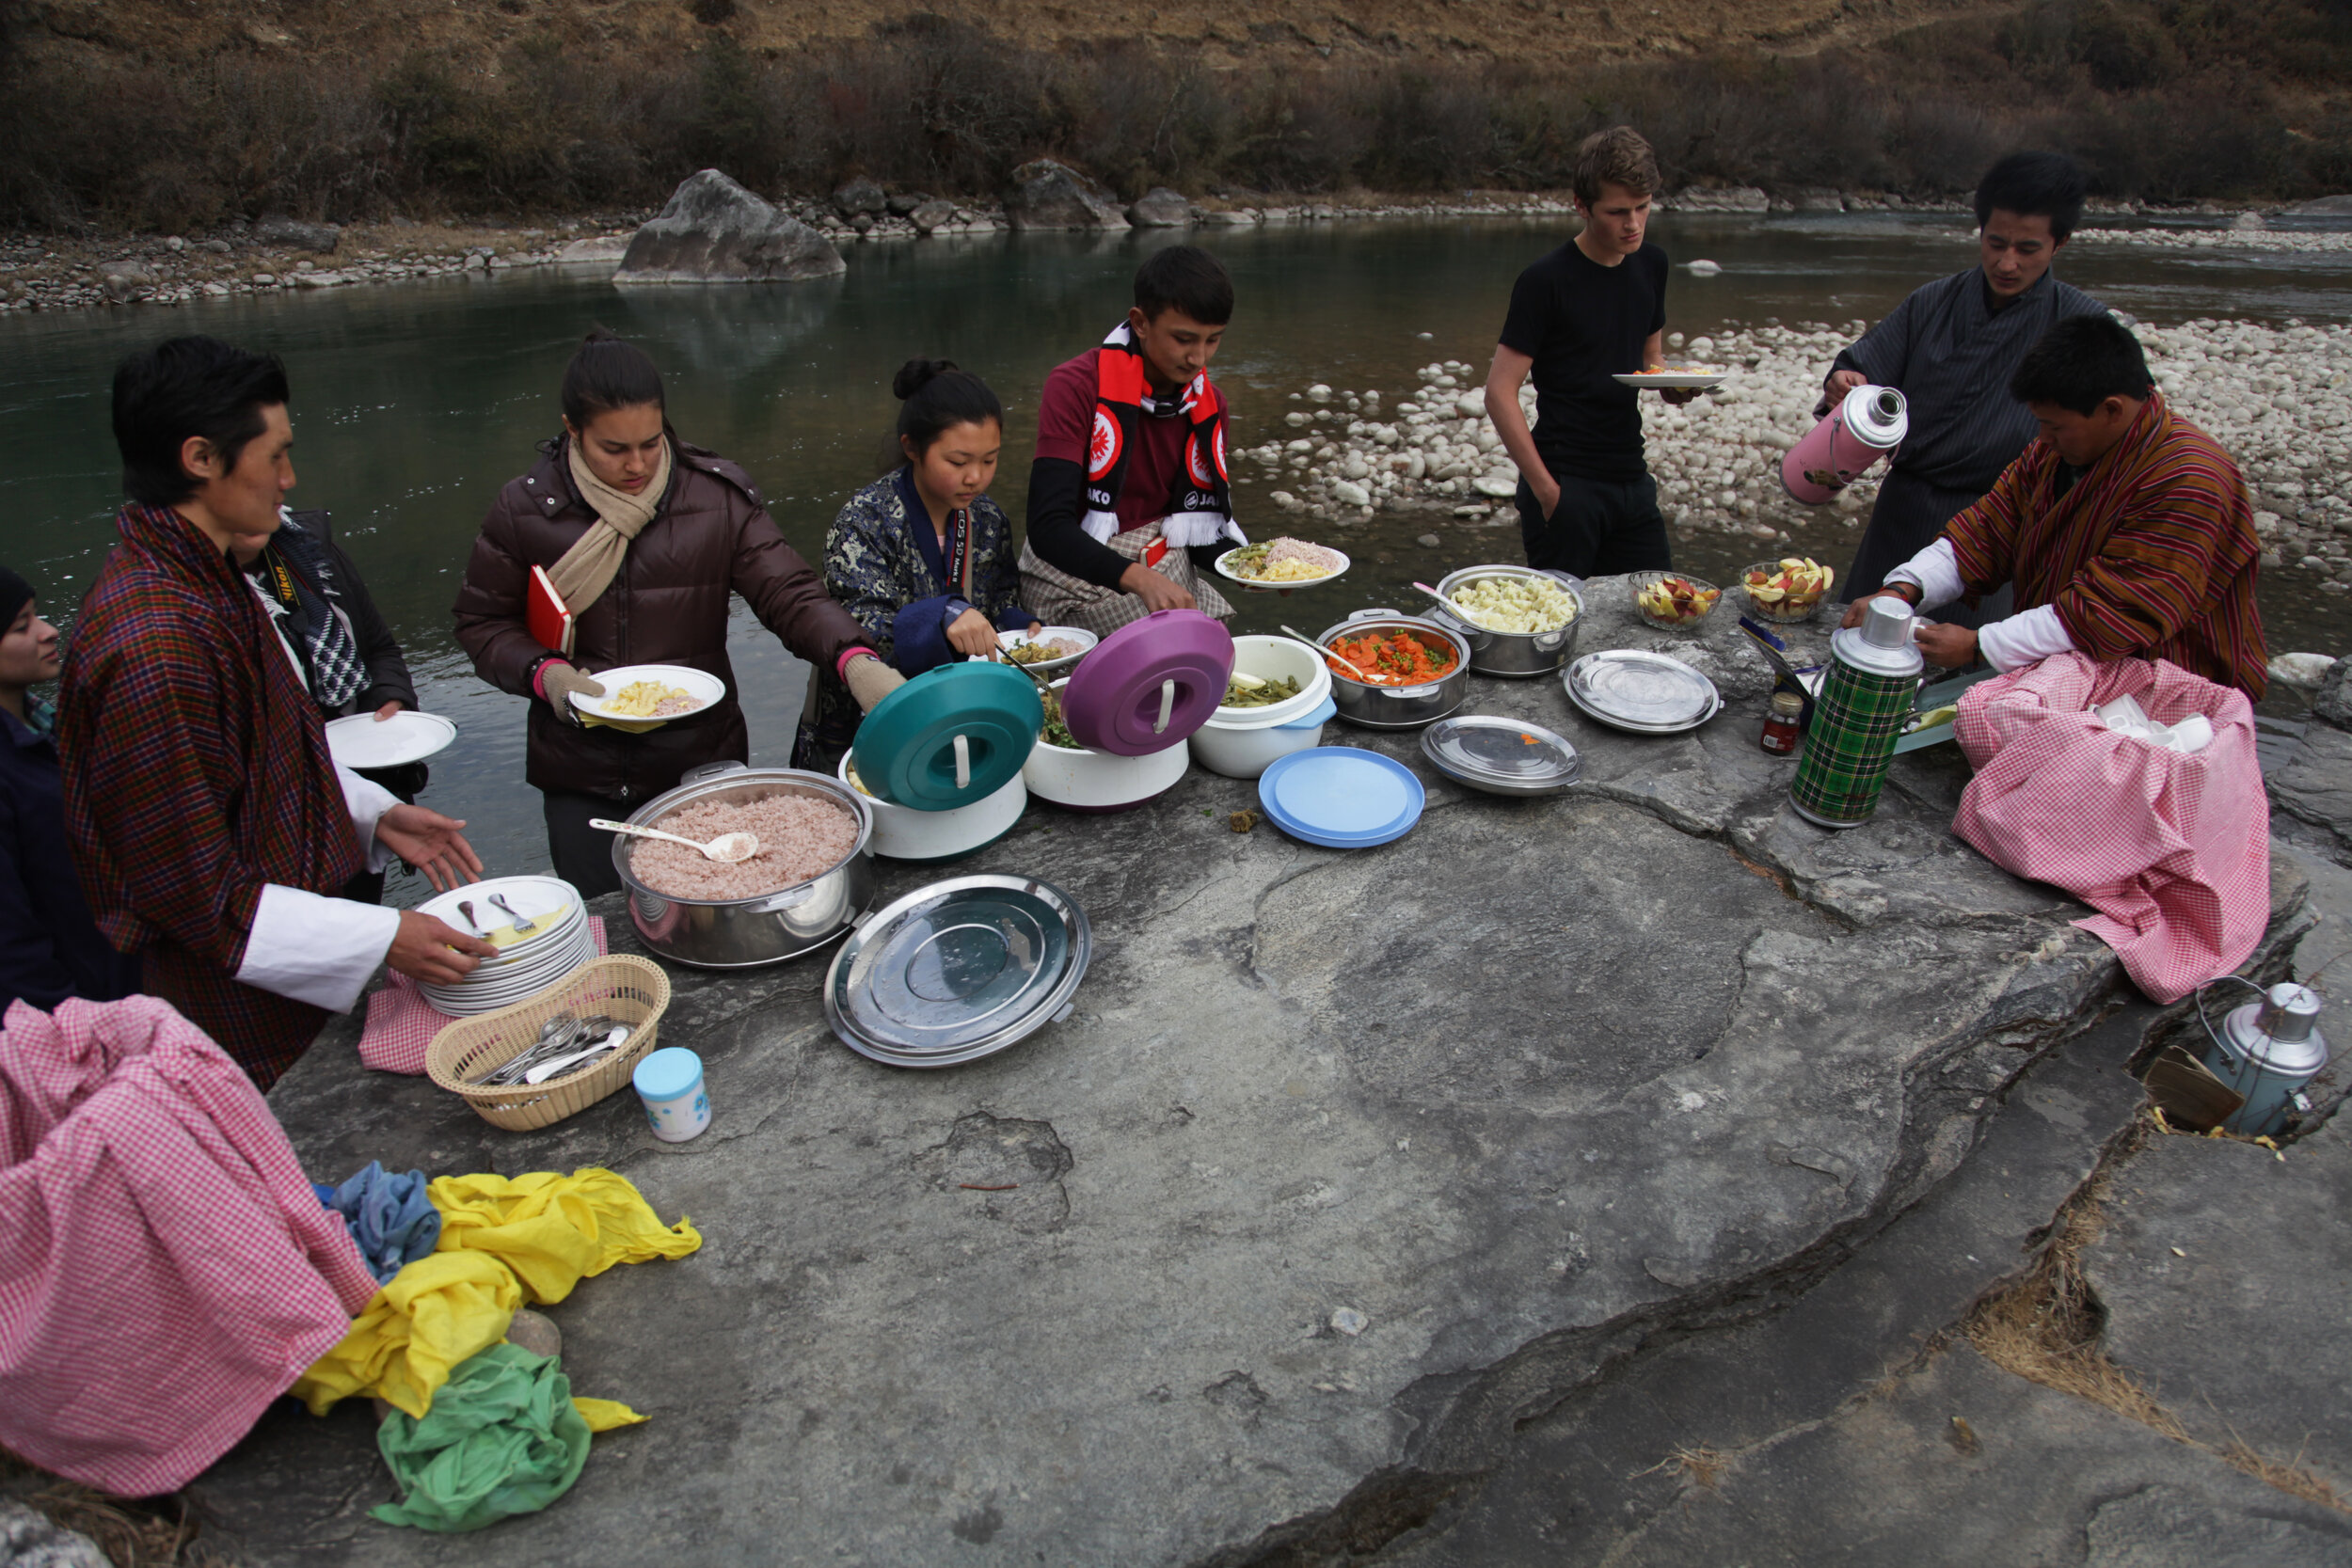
<point>211,825</point>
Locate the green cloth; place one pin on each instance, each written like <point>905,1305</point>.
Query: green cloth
<point>502,1437</point>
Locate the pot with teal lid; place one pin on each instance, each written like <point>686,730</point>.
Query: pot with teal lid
<point>950,737</point>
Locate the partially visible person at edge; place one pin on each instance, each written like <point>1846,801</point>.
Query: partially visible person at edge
<point>50,947</point>
<point>349,658</point>
<point>1129,500</point>
<point>2124,529</point>
<point>921,558</point>
<point>1951,348</point>
<point>644,537</point>
<point>1592,310</point>
<point>211,827</point>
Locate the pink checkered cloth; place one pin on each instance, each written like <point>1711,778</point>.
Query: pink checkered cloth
<point>166,1269</point>
<point>402,1023</point>
<point>2173,851</point>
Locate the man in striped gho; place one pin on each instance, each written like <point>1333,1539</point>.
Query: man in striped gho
<point>2124,529</point>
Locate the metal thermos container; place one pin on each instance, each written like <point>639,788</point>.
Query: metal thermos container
<point>1867,424</point>
<point>1872,681</point>
<point>2268,1051</point>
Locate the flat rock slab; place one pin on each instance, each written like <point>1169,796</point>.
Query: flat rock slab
<point>1960,1464</point>
<point>1543,1077</point>
<point>2223,1271</point>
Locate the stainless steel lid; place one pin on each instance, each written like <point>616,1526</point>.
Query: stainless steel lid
<point>1502,756</point>
<point>1876,415</point>
<point>1882,643</point>
<point>1633,686</point>
<point>958,970</point>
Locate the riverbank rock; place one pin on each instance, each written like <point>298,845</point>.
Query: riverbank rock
<point>931,214</point>
<point>294,234</point>
<point>1734,198</point>
<point>31,1540</point>
<point>861,195</point>
<point>1048,195</point>
<point>715,232</point>
<point>599,247</point>
<point>1161,208</point>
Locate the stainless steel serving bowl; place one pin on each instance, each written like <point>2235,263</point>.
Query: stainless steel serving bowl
<point>1398,707</point>
<point>744,933</point>
<point>1513,654</point>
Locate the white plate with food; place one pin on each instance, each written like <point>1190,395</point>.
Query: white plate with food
<point>1075,643</point>
<point>1296,564</point>
<point>1695,379</point>
<point>406,736</point>
<point>650,694</point>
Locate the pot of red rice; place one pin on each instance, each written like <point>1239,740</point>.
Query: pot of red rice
<point>810,881</point>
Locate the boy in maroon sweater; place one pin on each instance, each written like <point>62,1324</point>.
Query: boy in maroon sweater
<point>1129,502</point>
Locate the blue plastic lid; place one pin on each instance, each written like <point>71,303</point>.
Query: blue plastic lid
<point>666,1073</point>
<point>1340,797</point>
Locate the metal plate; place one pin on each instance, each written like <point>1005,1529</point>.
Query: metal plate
<point>406,736</point>
<point>1502,756</point>
<point>1641,688</point>
<point>958,970</point>
<point>1696,381</point>
<point>1607,723</point>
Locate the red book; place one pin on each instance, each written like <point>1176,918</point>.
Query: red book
<point>545,615</point>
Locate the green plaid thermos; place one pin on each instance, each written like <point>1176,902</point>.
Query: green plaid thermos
<point>1873,679</point>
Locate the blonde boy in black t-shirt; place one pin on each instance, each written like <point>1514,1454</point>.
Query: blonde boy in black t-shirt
<point>1593,309</point>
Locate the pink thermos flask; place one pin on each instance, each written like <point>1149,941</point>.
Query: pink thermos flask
<point>1867,425</point>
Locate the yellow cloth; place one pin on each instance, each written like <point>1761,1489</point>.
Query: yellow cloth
<point>604,1415</point>
<point>555,1230</point>
<point>430,1316</point>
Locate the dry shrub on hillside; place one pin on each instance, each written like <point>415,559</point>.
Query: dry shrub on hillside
<point>2163,99</point>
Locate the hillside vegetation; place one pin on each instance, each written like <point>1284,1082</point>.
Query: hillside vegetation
<point>176,114</point>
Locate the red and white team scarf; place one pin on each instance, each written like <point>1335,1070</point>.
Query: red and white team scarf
<point>1200,503</point>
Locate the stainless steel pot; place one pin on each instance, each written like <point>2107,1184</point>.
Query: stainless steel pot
<point>1398,707</point>
<point>744,933</point>
<point>1512,654</point>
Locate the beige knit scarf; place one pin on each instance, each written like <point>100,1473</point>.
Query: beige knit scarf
<point>589,566</point>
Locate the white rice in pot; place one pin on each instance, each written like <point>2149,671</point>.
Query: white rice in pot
<point>801,838</point>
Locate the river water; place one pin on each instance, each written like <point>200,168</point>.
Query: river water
<point>414,402</point>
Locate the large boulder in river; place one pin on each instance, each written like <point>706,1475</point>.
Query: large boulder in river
<point>715,232</point>
<point>1047,195</point>
<point>1161,208</point>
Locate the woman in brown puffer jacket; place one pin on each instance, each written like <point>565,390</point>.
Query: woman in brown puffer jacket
<point>645,537</point>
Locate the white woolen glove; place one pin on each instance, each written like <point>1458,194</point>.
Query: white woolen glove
<point>558,681</point>
<point>870,680</point>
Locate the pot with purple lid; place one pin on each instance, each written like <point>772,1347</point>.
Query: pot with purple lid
<point>1130,707</point>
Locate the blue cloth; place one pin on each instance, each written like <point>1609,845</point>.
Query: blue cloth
<point>389,1216</point>
<point>50,945</point>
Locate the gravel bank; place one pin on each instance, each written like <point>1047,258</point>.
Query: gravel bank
<point>2278,398</point>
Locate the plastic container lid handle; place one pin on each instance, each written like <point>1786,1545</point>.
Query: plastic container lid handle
<point>963,763</point>
<point>1168,706</point>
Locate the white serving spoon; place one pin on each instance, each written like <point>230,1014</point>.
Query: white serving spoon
<point>726,848</point>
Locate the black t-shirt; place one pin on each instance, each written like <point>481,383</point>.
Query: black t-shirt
<point>1582,323</point>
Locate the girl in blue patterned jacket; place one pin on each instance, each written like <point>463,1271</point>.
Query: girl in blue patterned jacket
<point>922,559</point>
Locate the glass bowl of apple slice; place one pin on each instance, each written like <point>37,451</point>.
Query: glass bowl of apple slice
<point>1672,601</point>
<point>1786,590</point>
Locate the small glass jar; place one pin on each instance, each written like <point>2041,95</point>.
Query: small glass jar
<point>1781,724</point>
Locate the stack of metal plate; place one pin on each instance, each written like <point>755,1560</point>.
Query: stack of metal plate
<point>958,970</point>
<point>1641,692</point>
<point>1502,756</point>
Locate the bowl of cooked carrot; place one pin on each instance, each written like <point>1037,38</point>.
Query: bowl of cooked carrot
<point>1392,671</point>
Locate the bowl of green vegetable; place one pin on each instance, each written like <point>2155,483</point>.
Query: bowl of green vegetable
<point>1276,703</point>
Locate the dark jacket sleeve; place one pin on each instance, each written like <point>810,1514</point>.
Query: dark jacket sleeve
<point>1057,499</point>
<point>1883,353</point>
<point>30,968</point>
<point>785,591</point>
<point>918,636</point>
<point>387,668</point>
<point>489,609</point>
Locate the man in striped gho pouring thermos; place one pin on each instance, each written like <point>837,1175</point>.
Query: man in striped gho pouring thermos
<point>2125,529</point>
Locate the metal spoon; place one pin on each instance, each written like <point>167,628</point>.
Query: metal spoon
<point>562,1065</point>
<point>726,848</point>
<point>1455,609</point>
<point>465,912</point>
<point>522,927</point>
